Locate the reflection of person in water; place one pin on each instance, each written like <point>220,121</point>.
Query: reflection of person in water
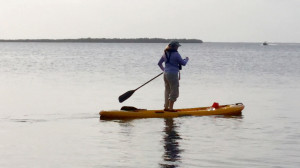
<point>172,151</point>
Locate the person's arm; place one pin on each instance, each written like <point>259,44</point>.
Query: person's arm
<point>160,63</point>
<point>182,61</point>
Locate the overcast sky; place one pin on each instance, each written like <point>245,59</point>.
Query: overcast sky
<point>209,20</point>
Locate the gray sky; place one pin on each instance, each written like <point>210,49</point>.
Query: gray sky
<point>209,20</point>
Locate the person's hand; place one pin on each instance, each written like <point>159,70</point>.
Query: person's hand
<point>187,58</point>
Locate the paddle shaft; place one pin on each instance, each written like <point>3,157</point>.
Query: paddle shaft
<point>148,81</point>
<point>126,95</point>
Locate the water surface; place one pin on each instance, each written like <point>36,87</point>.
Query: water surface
<point>51,93</point>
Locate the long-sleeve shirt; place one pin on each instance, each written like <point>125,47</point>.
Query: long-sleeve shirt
<point>172,66</point>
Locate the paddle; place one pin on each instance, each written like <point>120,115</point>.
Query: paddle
<point>126,95</point>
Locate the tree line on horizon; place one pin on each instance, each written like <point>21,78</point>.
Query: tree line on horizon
<point>109,40</point>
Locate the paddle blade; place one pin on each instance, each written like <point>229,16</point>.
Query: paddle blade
<point>125,96</point>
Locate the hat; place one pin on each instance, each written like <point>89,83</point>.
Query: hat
<point>174,44</point>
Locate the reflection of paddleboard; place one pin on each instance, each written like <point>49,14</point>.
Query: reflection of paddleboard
<point>231,109</point>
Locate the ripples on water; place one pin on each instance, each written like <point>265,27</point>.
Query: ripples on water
<point>51,94</point>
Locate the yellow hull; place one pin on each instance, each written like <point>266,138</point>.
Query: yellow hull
<point>231,109</point>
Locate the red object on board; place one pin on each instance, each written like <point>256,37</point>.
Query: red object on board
<point>215,105</point>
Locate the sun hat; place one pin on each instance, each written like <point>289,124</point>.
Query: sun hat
<point>174,44</point>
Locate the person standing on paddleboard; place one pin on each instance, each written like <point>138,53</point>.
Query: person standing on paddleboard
<point>173,62</point>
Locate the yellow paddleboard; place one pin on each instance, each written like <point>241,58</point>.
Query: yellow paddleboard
<point>231,109</point>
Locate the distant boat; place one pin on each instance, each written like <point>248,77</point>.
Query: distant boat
<point>265,43</point>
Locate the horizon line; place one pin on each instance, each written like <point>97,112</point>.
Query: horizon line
<point>109,40</point>
<point>131,40</point>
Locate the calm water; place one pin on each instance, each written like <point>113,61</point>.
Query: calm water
<point>51,93</point>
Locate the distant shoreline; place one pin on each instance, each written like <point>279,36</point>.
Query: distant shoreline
<point>106,40</point>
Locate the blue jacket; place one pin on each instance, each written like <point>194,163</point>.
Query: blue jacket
<point>172,61</point>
